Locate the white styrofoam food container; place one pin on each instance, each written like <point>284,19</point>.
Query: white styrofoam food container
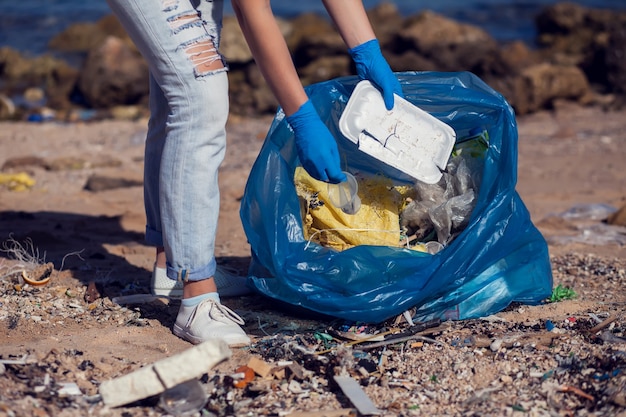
<point>406,137</point>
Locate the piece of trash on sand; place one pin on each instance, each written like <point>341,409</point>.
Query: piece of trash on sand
<point>92,293</point>
<point>589,211</point>
<point>260,367</point>
<point>603,324</point>
<point>356,332</point>
<point>68,389</point>
<point>357,396</point>
<point>618,218</point>
<point>39,275</point>
<point>164,374</point>
<point>577,391</point>
<point>345,412</point>
<point>20,181</point>
<point>22,361</point>
<point>184,398</point>
<point>138,299</point>
<point>594,224</point>
<point>244,375</point>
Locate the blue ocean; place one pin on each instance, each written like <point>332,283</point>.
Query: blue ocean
<point>28,25</point>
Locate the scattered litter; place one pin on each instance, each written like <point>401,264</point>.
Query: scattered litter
<point>17,182</point>
<point>22,361</point>
<point>164,374</point>
<point>481,395</point>
<point>356,332</point>
<point>68,389</point>
<point>596,234</point>
<point>356,395</point>
<point>92,293</point>
<point>262,368</point>
<point>39,275</point>
<point>590,226</point>
<point>577,391</point>
<point>618,218</point>
<point>544,338</point>
<point>243,376</point>
<point>593,211</point>
<point>184,398</point>
<point>401,339</point>
<point>138,299</point>
<point>602,325</point>
<point>595,318</point>
<point>293,367</point>
<point>348,412</point>
<point>609,337</point>
<point>493,319</point>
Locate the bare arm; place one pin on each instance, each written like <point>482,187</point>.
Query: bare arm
<point>351,21</point>
<point>270,49</point>
<point>317,148</point>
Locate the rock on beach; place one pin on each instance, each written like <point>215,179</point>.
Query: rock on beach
<point>576,58</point>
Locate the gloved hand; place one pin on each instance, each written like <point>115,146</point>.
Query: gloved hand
<point>372,66</point>
<point>317,148</point>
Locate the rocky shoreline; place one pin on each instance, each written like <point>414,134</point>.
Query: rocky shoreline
<point>578,57</point>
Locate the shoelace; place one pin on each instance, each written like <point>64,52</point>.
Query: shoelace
<point>228,313</point>
<point>221,309</point>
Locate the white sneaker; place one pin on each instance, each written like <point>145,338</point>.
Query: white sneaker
<point>228,284</point>
<point>210,320</point>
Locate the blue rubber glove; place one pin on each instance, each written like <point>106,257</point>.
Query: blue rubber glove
<point>372,66</point>
<point>317,148</point>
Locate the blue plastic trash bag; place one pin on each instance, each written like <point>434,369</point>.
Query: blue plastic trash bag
<point>499,258</point>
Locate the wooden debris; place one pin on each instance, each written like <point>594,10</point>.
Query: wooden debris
<point>602,325</point>
<point>295,370</point>
<point>260,367</point>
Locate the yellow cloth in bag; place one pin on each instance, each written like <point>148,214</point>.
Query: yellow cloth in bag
<point>376,223</point>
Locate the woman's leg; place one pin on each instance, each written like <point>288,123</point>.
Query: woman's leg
<point>187,137</point>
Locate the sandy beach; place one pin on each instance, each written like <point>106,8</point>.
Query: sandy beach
<point>571,176</point>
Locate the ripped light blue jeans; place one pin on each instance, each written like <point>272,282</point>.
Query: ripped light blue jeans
<point>186,138</point>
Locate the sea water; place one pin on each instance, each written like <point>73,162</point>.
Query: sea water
<point>28,25</point>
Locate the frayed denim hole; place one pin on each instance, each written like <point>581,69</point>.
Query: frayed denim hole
<point>184,20</point>
<point>202,52</point>
<point>169,5</point>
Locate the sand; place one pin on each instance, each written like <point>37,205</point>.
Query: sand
<point>571,160</point>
